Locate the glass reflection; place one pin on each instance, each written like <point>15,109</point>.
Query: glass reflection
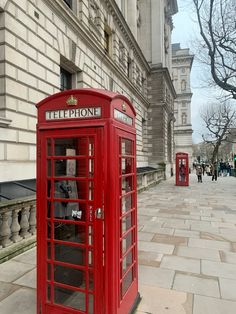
<point>91,146</point>
<point>69,232</point>
<point>126,223</point>
<point>127,282</point>
<point>126,166</point>
<point>126,147</point>
<point>67,297</point>
<point>127,184</point>
<point>69,276</point>
<point>69,254</point>
<point>127,262</point>
<point>127,242</point>
<point>70,189</point>
<point>126,203</point>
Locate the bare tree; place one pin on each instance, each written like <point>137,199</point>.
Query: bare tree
<point>218,118</point>
<point>217,23</point>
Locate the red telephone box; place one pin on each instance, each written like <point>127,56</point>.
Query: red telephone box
<point>182,169</point>
<point>86,204</point>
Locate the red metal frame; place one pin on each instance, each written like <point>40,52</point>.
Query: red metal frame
<point>182,169</point>
<point>115,231</point>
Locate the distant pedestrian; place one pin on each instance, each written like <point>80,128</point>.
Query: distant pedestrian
<point>214,171</point>
<point>199,173</point>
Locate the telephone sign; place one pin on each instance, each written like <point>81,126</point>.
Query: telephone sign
<point>86,204</point>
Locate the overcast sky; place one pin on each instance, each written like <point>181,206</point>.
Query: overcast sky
<point>186,32</point>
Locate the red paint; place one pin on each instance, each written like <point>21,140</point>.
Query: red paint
<point>182,169</point>
<point>86,159</point>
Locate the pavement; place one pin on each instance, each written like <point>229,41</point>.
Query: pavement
<point>187,253</point>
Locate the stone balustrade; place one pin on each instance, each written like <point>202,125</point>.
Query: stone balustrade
<point>148,178</point>
<point>17,220</point>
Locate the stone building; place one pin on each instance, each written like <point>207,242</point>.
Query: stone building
<point>47,46</point>
<point>181,69</point>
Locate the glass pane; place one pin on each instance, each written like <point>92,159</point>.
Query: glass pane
<point>91,168</point>
<point>127,242</point>
<point>49,168</point>
<point>127,184</point>
<point>70,189</point>
<point>90,258</point>
<point>49,188</point>
<point>91,191</point>
<point>69,276</point>
<point>74,299</point>
<point>126,147</point>
<point>91,311</point>
<point>69,232</point>
<point>126,165</point>
<point>91,280</point>
<point>49,250</point>
<point>91,146</point>
<point>126,223</point>
<point>69,254</point>
<point>70,210</point>
<point>127,262</point>
<point>127,282</point>
<point>66,147</point>
<point>126,203</point>
<point>90,235</point>
<point>48,292</point>
<point>49,272</point>
<point>49,147</point>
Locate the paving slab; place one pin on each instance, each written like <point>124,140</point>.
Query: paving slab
<point>156,277</point>
<point>218,269</point>
<point>181,263</point>
<point>228,288</point>
<point>162,301</point>
<point>198,253</point>
<point>27,280</point>
<point>22,301</point>
<point>155,247</point>
<point>6,289</point>
<point>208,305</point>
<point>228,257</point>
<point>197,285</point>
<point>12,270</point>
<point>210,244</point>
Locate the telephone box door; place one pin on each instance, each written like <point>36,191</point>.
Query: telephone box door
<point>70,216</point>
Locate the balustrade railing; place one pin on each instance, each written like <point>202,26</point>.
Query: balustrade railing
<point>17,220</point>
<point>146,179</point>
<point>18,216</point>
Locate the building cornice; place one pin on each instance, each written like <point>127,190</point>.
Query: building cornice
<point>72,20</point>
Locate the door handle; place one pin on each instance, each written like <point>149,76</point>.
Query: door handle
<point>99,213</point>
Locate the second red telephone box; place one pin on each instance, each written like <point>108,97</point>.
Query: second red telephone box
<point>182,169</point>
<point>86,204</point>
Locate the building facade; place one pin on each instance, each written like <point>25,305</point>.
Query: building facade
<point>49,46</point>
<point>181,70</point>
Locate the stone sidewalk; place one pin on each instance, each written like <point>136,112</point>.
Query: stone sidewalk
<point>187,247</point>
<point>187,253</point>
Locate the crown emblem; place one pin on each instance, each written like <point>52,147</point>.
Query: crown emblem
<point>71,101</point>
<point>124,107</point>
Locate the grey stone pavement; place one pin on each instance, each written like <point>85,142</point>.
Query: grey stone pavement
<point>187,253</point>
